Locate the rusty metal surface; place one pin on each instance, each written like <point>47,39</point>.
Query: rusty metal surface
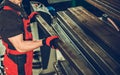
<point>108,35</point>
<point>110,7</point>
<point>91,48</point>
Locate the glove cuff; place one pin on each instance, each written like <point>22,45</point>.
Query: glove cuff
<point>44,41</point>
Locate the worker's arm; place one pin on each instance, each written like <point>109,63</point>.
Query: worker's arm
<point>24,46</point>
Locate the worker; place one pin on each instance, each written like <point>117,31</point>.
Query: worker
<point>17,38</point>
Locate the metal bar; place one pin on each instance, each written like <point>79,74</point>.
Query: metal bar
<point>78,61</point>
<point>112,4</point>
<point>66,68</point>
<point>99,29</point>
<point>106,8</point>
<point>82,51</point>
<point>90,47</point>
<point>56,1</point>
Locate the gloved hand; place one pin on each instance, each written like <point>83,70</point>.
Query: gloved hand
<point>51,41</point>
<point>32,15</point>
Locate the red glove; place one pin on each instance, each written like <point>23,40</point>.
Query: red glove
<point>51,41</point>
<point>32,15</point>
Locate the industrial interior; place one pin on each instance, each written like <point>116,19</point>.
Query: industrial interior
<point>89,32</point>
